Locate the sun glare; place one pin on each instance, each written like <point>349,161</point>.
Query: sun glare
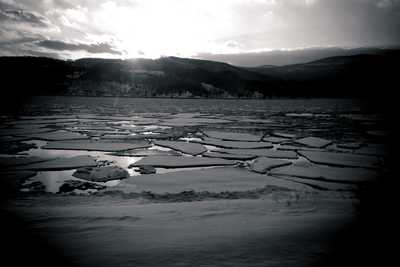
<point>156,28</point>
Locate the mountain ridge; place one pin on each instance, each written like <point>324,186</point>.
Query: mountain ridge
<point>340,76</point>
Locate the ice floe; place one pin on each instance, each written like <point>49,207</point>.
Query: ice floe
<point>180,162</point>
<point>184,147</point>
<point>96,145</point>
<point>313,142</point>
<point>262,165</point>
<point>230,136</point>
<point>341,159</point>
<point>234,144</point>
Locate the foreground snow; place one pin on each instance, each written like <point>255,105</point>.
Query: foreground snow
<point>281,230</point>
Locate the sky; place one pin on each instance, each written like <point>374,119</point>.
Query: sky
<point>71,29</point>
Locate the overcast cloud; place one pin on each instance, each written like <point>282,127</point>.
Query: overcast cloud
<point>153,28</point>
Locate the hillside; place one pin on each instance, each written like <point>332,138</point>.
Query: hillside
<point>357,75</point>
<point>361,75</point>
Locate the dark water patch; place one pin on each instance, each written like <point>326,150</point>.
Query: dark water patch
<point>14,147</point>
<point>258,108</point>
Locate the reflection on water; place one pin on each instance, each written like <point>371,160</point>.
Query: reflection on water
<point>149,133</point>
<point>53,180</point>
<point>190,139</point>
<point>210,148</point>
<point>120,161</point>
<point>160,148</point>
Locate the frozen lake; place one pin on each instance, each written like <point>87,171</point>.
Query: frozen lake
<point>189,182</point>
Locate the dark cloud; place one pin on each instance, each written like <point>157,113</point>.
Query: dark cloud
<point>91,48</point>
<point>35,53</point>
<point>388,3</point>
<point>18,41</point>
<point>14,14</point>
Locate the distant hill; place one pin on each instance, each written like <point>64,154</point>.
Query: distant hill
<point>289,57</point>
<point>357,75</point>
